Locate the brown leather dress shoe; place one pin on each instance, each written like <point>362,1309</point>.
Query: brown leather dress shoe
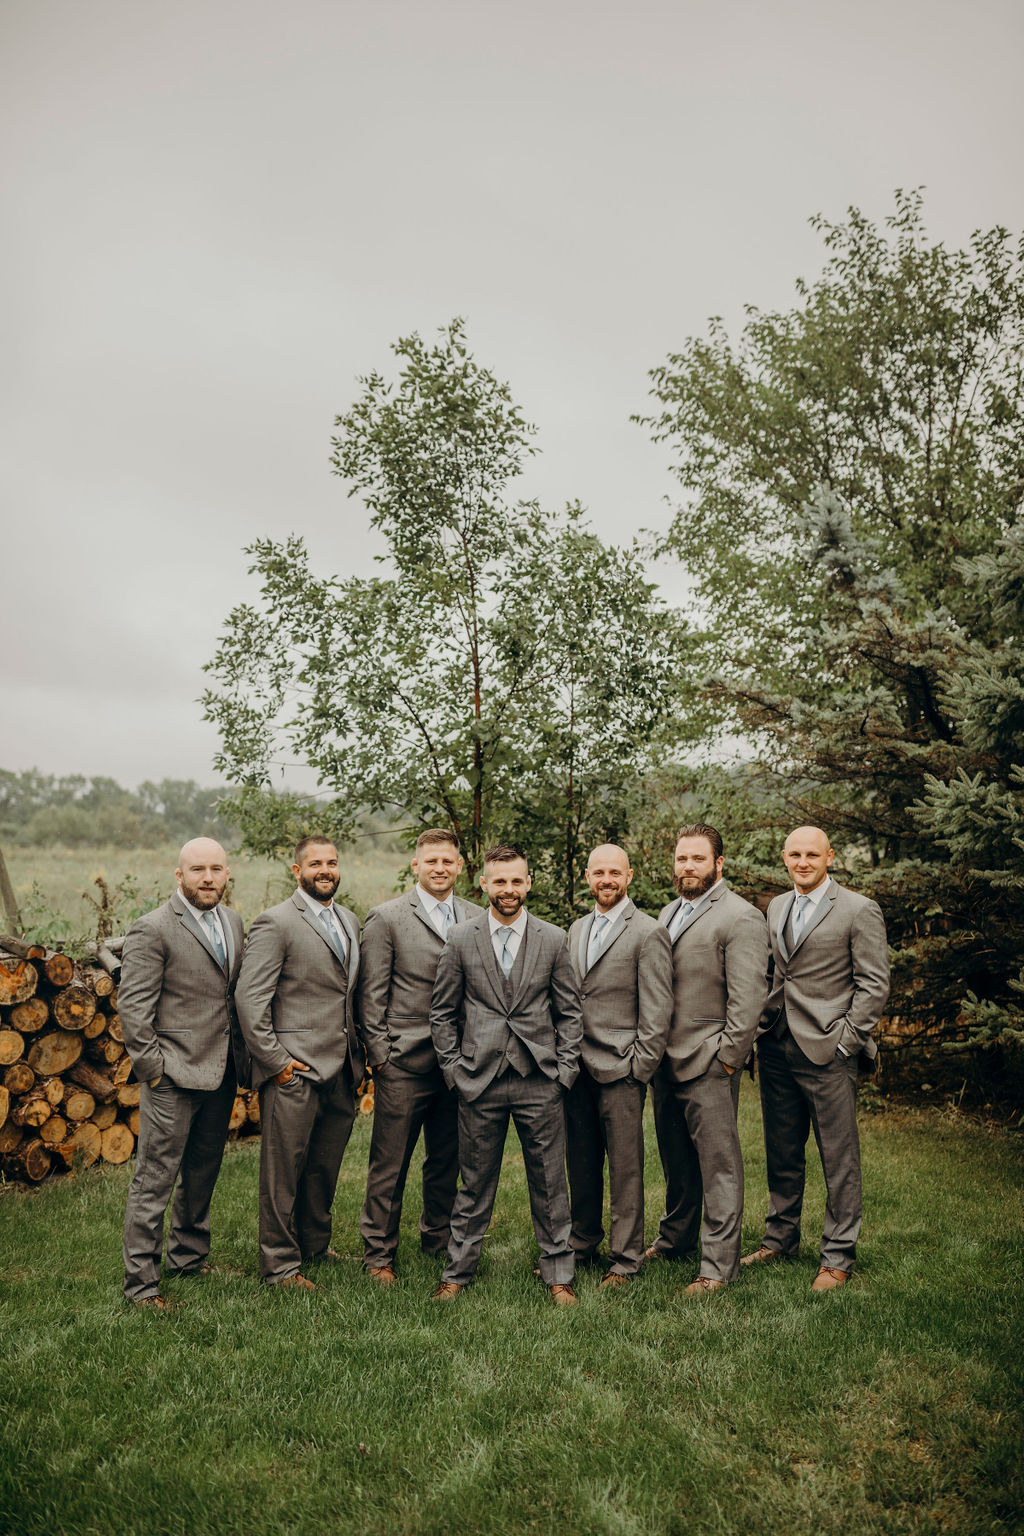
<point>153,1303</point>
<point>763,1255</point>
<point>296,1283</point>
<point>612,1280</point>
<point>448,1290</point>
<point>382,1273</point>
<point>828,1279</point>
<point>654,1252</point>
<point>704,1285</point>
<point>562,1295</point>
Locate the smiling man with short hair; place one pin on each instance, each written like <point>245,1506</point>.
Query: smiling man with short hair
<point>506,1023</point>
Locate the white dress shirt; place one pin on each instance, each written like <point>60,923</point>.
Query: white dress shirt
<point>431,905</point>
<point>698,905</point>
<point>318,908</point>
<point>200,915</point>
<point>517,930</point>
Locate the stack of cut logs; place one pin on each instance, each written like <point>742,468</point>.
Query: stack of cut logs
<point>68,1095</point>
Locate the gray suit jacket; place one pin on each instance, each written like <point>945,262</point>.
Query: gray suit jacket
<point>175,1001</point>
<point>398,963</point>
<point>720,978</point>
<point>470,1019</point>
<point>626,995</point>
<point>835,984</point>
<point>293,997</point>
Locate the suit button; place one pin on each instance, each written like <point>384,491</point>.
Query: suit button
<point>344,1031</point>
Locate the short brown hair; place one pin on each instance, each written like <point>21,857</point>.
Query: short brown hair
<point>436,835</point>
<point>701,829</point>
<point>307,842</point>
<point>504,853</point>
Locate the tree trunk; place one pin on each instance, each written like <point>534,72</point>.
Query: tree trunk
<point>18,982</point>
<point>116,1143</point>
<point>12,1047</point>
<point>84,1143</point>
<point>74,1008</point>
<point>29,1017</point>
<point>32,1161</point>
<point>79,1103</point>
<point>59,969</point>
<point>55,1052</point>
<point>103,1115</point>
<point>53,1130</point>
<point>19,1079</point>
<point>99,1085</point>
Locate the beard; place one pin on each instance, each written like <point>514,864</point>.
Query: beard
<point>507,905</point>
<point>693,887</point>
<point>204,900</point>
<point>321,887</point>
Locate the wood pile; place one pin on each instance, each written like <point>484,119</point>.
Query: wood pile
<point>68,1095</point>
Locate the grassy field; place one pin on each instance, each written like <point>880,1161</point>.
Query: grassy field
<point>893,1405</point>
<point>61,875</point>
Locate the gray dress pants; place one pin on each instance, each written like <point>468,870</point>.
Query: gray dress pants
<point>607,1118</point>
<point>700,1153</point>
<point>305,1126</point>
<point>404,1104</point>
<point>182,1132</point>
<point>796,1097</point>
<point>534,1104</point>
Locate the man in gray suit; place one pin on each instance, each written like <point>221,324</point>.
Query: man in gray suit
<point>830,986</point>
<point>623,964</point>
<point>178,974</point>
<point>295,1000</point>
<point>720,968</point>
<point>506,1023</point>
<point>401,945</point>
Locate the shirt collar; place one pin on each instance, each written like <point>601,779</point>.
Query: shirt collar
<point>431,902</point>
<point>819,892</point>
<point>701,899</point>
<point>316,907</point>
<point>519,926</point>
<point>612,912</point>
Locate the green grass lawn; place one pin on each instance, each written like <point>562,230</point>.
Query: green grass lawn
<point>892,1405</point>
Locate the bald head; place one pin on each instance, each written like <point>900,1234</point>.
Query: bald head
<point>202,873</point>
<point>608,875</point>
<point>808,856</point>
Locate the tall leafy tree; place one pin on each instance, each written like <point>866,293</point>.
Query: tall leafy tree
<point>485,682</point>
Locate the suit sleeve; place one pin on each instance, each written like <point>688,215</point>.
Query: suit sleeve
<point>654,1003</point>
<point>376,959</point>
<point>254,993</point>
<point>138,995</point>
<point>446,1009</point>
<point>869,955</point>
<point>747,954</point>
<point>566,1014</point>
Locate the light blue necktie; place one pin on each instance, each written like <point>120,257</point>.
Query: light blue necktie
<point>597,938</point>
<point>334,938</point>
<point>215,939</point>
<point>681,916</point>
<point>800,916</point>
<point>447,917</point>
<point>506,959</point>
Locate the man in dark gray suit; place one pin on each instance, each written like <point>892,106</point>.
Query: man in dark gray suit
<point>720,968</point>
<point>506,1023</point>
<point>830,986</point>
<point>623,964</point>
<point>401,945</point>
<point>178,974</point>
<point>295,1000</point>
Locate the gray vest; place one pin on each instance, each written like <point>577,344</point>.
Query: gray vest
<point>517,1057</point>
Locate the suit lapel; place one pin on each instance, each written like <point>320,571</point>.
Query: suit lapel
<point>616,930</point>
<point>584,942</point>
<point>821,910</point>
<point>424,916</point>
<point>531,938</point>
<point>668,916</point>
<point>196,929</point>
<point>781,925</point>
<point>306,913</point>
<point>485,951</point>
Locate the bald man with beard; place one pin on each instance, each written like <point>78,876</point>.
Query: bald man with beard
<point>176,1005</point>
<point>831,983</point>
<point>623,964</point>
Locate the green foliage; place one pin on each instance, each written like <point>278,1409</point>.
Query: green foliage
<point>44,810</point>
<point>508,678</point>
<point>853,474</point>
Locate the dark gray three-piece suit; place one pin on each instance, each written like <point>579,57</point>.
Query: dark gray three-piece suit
<point>627,1009</point>
<point>295,999</point>
<point>401,947</point>
<point>720,970</point>
<point>829,989</point>
<point>178,1017</point>
<point>510,1046</point>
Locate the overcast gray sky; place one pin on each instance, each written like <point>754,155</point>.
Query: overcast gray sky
<point>220,212</point>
